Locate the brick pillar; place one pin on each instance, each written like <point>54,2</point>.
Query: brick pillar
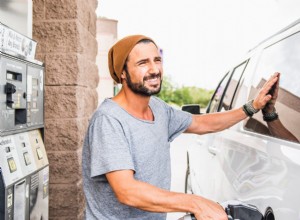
<point>66,34</point>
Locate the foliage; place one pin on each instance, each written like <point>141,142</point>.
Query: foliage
<point>179,96</point>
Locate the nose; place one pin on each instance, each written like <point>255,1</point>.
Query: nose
<point>154,67</point>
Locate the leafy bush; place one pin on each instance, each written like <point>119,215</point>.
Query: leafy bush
<point>179,96</point>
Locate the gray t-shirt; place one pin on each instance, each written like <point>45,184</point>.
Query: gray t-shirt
<point>116,140</point>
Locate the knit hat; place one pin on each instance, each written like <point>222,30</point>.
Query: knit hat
<point>118,54</point>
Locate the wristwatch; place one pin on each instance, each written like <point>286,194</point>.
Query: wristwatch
<point>270,116</point>
<point>249,109</point>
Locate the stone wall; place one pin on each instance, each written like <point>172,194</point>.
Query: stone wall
<point>65,31</point>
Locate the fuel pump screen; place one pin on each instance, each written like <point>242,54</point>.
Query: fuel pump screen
<point>26,158</point>
<point>39,153</point>
<point>11,164</point>
<point>13,76</point>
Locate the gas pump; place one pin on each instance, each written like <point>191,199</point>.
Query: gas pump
<point>24,166</point>
<point>236,210</point>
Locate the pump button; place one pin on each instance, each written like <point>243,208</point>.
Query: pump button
<point>10,88</point>
<point>9,101</point>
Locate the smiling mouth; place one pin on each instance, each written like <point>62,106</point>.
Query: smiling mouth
<point>152,78</point>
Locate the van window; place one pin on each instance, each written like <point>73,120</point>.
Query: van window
<point>283,57</point>
<point>222,99</point>
<point>217,97</point>
<point>232,86</point>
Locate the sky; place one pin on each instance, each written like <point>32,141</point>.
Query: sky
<point>201,39</point>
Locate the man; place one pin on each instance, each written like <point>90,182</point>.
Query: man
<point>126,157</point>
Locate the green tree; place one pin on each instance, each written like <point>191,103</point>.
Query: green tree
<point>179,96</point>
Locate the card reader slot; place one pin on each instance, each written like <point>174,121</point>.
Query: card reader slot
<point>10,75</point>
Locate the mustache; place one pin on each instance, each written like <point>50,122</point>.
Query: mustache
<point>152,76</point>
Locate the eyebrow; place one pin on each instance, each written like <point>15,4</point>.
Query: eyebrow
<point>147,59</point>
<point>142,60</point>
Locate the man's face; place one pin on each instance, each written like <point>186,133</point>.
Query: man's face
<point>144,70</point>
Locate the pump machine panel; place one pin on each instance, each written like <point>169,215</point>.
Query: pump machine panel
<point>24,167</point>
<point>21,95</point>
<point>24,177</point>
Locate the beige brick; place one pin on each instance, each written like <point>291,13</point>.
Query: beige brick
<point>69,102</point>
<point>87,101</point>
<point>38,9</point>
<point>60,102</point>
<point>87,16</point>
<point>93,4</point>
<point>66,201</point>
<point>88,43</point>
<point>62,69</point>
<point>65,134</point>
<point>57,36</point>
<point>61,9</point>
<point>64,167</point>
<point>71,69</point>
<point>88,72</point>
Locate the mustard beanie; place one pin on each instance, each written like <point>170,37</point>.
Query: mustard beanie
<point>118,54</point>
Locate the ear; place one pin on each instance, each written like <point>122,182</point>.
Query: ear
<point>123,75</point>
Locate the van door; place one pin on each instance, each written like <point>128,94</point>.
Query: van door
<point>258,165</point>
<point>203,167</point>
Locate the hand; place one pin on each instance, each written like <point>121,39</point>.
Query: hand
<point>270,106</point>
<point>211,211</point>
<point>264,97</point>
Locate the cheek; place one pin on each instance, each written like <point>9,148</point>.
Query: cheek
<point>137,74</point>
<point>141,72</point>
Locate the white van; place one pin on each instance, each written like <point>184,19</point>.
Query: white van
<point>246,162</point>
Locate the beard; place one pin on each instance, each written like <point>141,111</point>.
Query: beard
<point>140,88</point>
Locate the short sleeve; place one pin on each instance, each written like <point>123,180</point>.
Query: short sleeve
<point>109,148</point>
<point>179,121</point>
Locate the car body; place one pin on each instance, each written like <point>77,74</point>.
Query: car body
<point>246,162</point>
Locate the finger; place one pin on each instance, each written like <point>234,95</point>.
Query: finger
<point>268,85</point>
<point>275,95</point>
<point>267,98</point>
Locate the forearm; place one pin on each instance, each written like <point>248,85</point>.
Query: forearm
<point>150,198</point>
<point>277,129</point>
<point>215,122</point>
<point>141,195</point>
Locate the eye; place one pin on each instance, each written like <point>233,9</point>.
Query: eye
<point>157,60</point>
<point>142,62</point>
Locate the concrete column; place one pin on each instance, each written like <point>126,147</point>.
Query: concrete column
<point>65,31</point>
<point>107,35</point>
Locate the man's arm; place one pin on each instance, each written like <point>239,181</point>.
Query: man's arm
<point>276,128</point>
<point>141,195</point>
<point>202,124</point>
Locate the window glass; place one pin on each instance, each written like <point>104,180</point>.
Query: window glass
<point>232,86</point>
<point>216,99</point>
<point>283,57</point>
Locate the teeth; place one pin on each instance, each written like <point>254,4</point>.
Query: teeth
<point>153,79</point>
